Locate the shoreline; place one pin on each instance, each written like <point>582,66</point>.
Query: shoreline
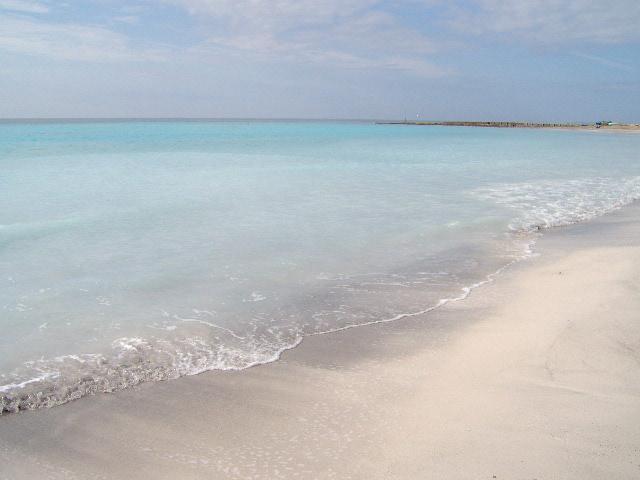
<point>8,406</point>
<point>425,396</point>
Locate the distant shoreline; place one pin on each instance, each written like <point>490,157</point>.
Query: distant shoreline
<point>568,126</point>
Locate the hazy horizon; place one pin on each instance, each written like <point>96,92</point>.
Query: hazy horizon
<point>551,60</point>
<point>272,119</point>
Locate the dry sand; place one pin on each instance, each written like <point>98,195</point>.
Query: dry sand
<point>535,376</point>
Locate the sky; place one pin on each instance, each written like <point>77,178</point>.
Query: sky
<point>530,60</point>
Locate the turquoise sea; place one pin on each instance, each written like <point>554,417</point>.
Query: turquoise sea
<point>147,250</point>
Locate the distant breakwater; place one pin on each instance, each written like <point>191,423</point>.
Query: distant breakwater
<point>597,125</point>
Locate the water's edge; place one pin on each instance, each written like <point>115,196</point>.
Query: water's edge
<point>124,376</point>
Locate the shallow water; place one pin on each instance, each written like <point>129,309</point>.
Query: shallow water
<point>134,251</point>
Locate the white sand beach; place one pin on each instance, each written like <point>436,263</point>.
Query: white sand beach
<point>534,376</point>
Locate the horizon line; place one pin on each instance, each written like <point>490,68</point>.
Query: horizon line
<point>268,119</point>
<point>169,118</point>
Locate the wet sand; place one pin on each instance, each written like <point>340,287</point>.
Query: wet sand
<point>536,375</point>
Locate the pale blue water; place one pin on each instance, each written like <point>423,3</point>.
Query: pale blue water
<point>138,251</point>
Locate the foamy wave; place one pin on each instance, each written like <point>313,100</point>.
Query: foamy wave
<point>132,361</point>
<point>556,203</point>
<point>135,360</point>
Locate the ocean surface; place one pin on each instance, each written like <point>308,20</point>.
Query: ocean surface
<point>141,251</point>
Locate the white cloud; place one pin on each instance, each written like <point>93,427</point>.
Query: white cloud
<point>67,41</point>
<point>347,33</point>
<point>553,21</point>
<point>276,14</point>
<point>23,6</point>
<point>128,19</point>
<point>607,62</point>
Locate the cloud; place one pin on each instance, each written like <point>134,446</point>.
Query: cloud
<point>23,6</point>
<point>128,19</point>
<point>347,33</point>
<point>276,14</point>
<point>552,21</point>
<point>605,61</point>
<point>67,41</point>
